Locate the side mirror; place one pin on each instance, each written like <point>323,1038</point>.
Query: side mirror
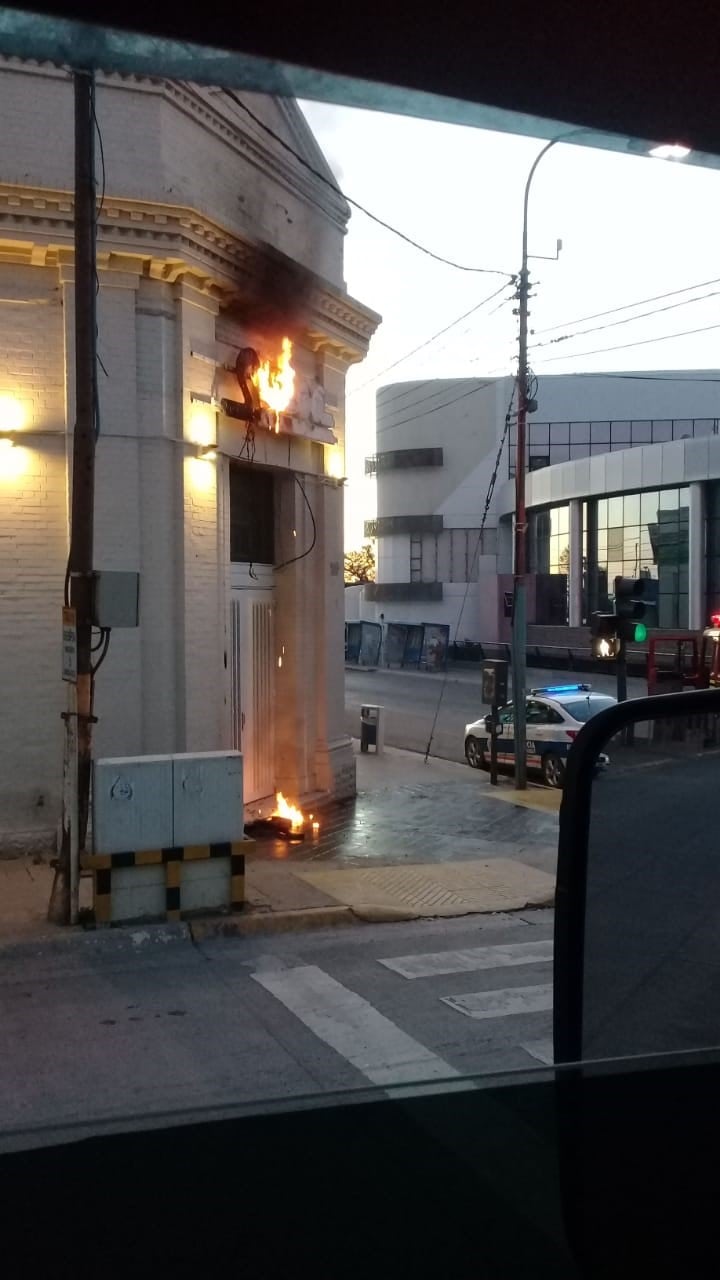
<point>637,967</point>
<point>637,975</point>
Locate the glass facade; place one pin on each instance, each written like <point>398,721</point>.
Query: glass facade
<point>549,560</point>
<point>549,540</point>
<point>642,535</point>
<point>631,535</point>
<point>551,442</point>
<point>712,496</point>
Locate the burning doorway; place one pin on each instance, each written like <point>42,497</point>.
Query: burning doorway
<point>252,683</point>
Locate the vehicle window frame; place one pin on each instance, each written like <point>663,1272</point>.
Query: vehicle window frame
<point>549,714</point>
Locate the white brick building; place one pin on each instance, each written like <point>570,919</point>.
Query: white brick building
<point>211,237</point>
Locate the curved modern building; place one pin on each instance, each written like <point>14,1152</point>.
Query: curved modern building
<point>624,478</point>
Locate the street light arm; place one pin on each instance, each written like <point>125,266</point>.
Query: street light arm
<point>561,137</point>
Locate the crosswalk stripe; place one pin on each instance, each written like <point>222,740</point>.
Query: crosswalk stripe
<point>501,1004</point>
<point>541,1049</point>
<point>434,964</point>
<point>353,1027</point>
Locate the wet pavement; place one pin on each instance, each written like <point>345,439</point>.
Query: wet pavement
<point>407,811</point>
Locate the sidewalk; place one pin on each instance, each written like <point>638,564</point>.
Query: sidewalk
<point>421,840</point>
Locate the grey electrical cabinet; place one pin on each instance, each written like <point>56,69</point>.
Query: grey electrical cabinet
<point>117,599</point>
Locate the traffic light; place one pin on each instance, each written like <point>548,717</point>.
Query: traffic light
<point>605,640</point>
<point>630,608</point>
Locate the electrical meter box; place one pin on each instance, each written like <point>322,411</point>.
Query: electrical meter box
<point>207,797</point>
<point>132,804</point>
<point>158,802</point>
<point>116,599</point>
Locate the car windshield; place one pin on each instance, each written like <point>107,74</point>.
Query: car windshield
<point>585,708</point>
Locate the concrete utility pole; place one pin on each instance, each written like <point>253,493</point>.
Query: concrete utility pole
<point>519,620</point>
<point>63,907</point>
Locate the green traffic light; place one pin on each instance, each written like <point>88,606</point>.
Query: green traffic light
<point>640,632</point>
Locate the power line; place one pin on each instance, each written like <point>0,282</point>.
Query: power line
<point>448,262</point>
<point>644,342</point>
<point>656,311</point>
<point>412,404</point>
<point>401,359</point>
<point>648,377</point>
<point>421,384</point>
<point>445,405</point>
<point>478,544</point>
<point>627,306</point>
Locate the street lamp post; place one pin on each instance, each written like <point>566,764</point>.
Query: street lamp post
<point>519,622</point>
<point>664,151</point>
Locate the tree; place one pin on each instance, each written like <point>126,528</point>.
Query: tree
<point>360,565</point>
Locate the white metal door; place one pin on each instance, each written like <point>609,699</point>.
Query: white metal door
<point>252,689</point>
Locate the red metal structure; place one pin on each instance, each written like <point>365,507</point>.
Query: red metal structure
<point>691,661</point>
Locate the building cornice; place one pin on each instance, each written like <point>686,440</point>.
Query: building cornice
<point>215,113</point>
<point>170,243</point>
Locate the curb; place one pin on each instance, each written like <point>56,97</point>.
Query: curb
<point>243,926</point>
<point>133,937</point>
<point>331,917</point>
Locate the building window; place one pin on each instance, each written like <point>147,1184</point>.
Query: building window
<point>712,491</point>
<point>549,560</point>
<point>552,442</point>
<point>252,515</point>
<point>386,525</point>
<point>640,535</point>
<point>401,459</point>
<point>450,556</point>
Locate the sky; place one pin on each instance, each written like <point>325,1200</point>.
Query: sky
<point>632,228</point>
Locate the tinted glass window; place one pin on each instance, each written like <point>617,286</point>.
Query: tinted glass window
<point>252,515</point>
<point>585,708</point>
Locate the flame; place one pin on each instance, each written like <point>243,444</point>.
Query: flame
<point>275,380</point>
<point>284,810</point>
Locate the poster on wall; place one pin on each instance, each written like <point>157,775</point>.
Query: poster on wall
<point>353,636</point>
<point>436,637</point>
<point>370,641</point>
<point>395,641</point>
<point>413,646</point>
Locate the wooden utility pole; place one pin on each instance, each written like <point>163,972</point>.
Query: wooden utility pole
<point>63,907</point>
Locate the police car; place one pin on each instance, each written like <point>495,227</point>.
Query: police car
<point>555,716</point>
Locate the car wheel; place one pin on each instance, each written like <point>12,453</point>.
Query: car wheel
<point>474,754</point>
<point>553,770</point>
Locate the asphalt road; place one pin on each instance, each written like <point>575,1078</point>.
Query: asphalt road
<point>107,1027</point>
<point>411,700</point>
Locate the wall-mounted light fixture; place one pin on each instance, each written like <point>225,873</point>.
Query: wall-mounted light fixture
<point>12,415</point>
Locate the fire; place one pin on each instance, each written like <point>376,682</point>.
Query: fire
<point>284,810</point>
<point>275,380</point>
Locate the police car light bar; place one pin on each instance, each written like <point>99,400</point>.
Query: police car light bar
<point>564,688</point>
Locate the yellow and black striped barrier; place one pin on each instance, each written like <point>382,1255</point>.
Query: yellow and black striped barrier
<point>103,865</point>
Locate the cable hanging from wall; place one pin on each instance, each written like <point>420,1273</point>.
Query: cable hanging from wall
<point>295,559</point>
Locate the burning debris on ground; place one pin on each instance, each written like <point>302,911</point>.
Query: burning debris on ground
<point>286,822</point>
